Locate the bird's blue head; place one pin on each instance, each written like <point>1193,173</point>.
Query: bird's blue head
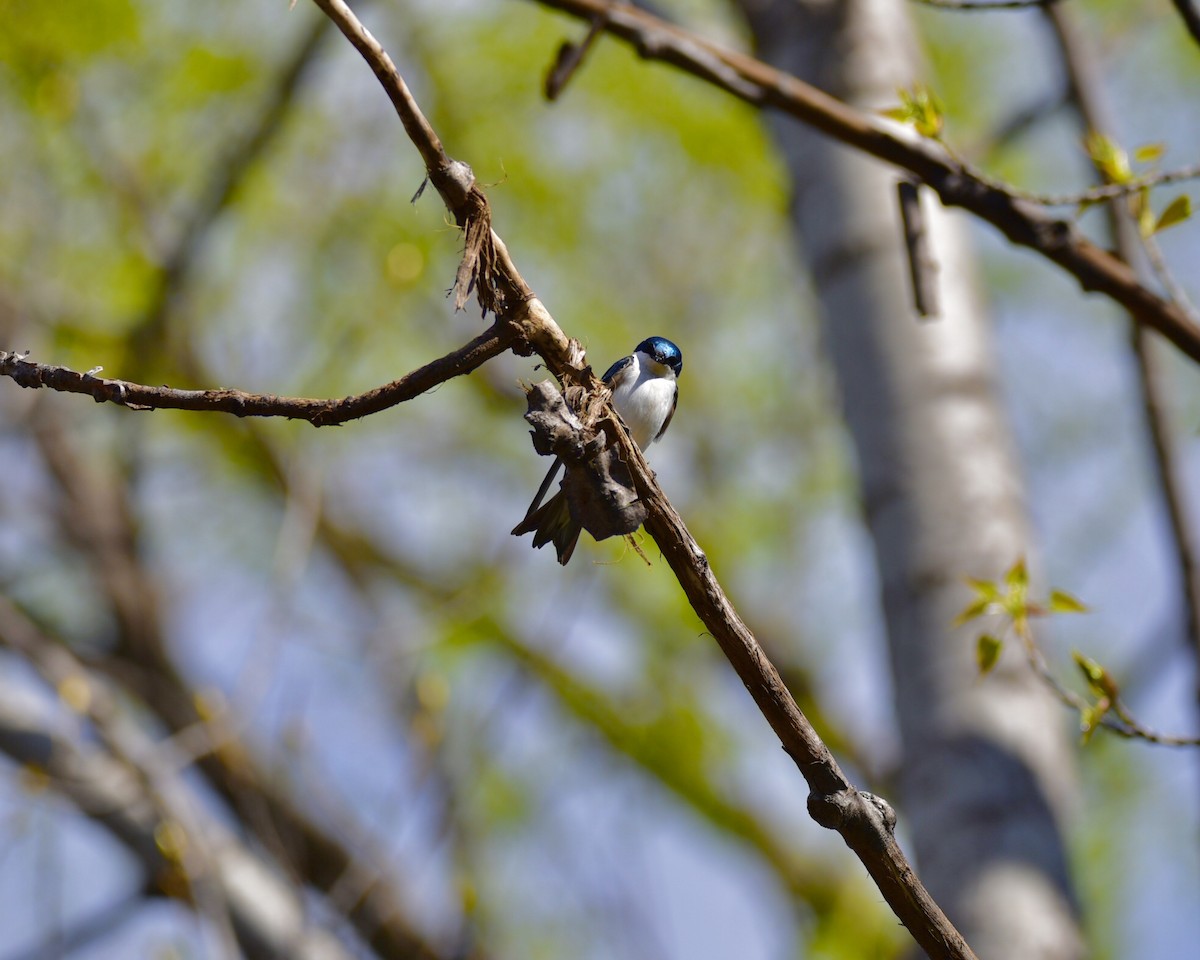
<point>661,350</point>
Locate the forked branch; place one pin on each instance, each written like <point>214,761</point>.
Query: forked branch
<point>1022,221</point>
<point>865,822</point>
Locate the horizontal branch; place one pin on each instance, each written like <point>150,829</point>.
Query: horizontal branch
<point>1024,223</point>
<point>320,413</point>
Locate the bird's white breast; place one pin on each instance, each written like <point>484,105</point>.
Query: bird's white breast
<point>644,400</point>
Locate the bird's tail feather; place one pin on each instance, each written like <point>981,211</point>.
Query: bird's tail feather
<point>552,523</point>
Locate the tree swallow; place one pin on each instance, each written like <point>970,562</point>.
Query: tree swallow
<point>645,391</point>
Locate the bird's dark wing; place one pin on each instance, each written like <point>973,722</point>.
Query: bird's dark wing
<point>616,368</point>
<point>667,422</point>
<point>524,526</point>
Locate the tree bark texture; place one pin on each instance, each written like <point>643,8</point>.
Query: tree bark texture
<point>987,770</point>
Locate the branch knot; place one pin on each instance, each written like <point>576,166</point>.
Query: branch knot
<point>597,485</point>
<point>851,810</point>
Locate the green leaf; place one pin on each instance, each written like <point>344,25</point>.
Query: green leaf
<point>1099,679</point>
<point>987,651</point>
<point>1063,602</point>
<point>984,589</point>
<point>976,608</point>
<point>1149,152</point>
<point>1090,718</point>
<point>931,116</point>
<point>1018,574</point>
<point>1090,669</point>
<point>1108,157</point>
<point>1145,220</point>
<point>921,109</point>
<point>1177,211</point>
<point>1016,601</point>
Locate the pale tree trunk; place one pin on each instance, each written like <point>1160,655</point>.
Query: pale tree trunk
<point>987,773</point>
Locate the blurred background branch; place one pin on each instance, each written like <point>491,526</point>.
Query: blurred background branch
<point>330,645</point>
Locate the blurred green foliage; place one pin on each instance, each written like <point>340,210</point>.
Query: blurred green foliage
<point>340,567</point>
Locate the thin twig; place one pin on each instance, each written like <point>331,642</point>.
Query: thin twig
<point>1084,79</point>
<point>1110,191</point>
<point>320,413</point>
<point>570,58</point>
<point>1119,720</point>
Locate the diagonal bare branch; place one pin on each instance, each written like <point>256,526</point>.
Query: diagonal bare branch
<point>867,823</point>
<point>1024,223</point>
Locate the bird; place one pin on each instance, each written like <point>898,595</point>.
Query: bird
<point>645,391</point>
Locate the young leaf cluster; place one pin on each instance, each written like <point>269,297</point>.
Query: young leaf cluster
<point>921,109</point>
<point>1113,162</point>
<point>1009,598</point>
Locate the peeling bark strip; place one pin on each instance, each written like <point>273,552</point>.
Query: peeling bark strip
<point>477,269</point>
